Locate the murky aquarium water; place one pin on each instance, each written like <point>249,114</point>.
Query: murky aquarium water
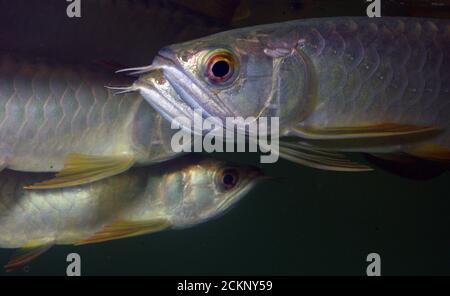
<point>116,157</point>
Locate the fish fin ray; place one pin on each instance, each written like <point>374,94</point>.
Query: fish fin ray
<point>138,70</point>
<point>432,152</point>
<point>123,229</point>
<point>81,169</point>
<point>121,89</point>
<point>363,132</point>
<point>318,159</point>
<point>25,255</point>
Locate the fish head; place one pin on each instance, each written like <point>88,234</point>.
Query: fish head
<point>211,188</point>
<point>223,75</point>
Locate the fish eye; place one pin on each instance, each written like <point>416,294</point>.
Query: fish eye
<point>220,67</point>
<point>229,178</point>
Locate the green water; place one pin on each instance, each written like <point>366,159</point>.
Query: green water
<point>306,222</point>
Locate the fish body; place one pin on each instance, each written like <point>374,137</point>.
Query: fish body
<point>176,194</point>
<point>50,110</point>
<point>351,84</point>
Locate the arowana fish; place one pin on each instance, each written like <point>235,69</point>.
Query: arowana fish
<point>175,194</point>
<point>55,116</point>
<point>379,86</point>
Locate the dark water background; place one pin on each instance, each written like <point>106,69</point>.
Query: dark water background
<point>308,222</point>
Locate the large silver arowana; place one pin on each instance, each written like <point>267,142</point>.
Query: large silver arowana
<point>345,84</point>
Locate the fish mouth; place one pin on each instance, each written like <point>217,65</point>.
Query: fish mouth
<point>176,94</point>
<point>162,97</point>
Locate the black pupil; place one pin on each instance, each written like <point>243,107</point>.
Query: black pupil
<point>220,68</point>
<point>228,180</point>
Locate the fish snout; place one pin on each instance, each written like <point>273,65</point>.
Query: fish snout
<point>166,56</point>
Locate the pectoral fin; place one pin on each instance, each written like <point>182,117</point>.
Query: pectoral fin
<point>318,159</point>
<point>81,169</point>
<point>25,255</point>
<point>362,132</point>
<point>123,229</point>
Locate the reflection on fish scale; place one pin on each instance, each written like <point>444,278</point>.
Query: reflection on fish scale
<point>142,200</point>
<point>414,55</point>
